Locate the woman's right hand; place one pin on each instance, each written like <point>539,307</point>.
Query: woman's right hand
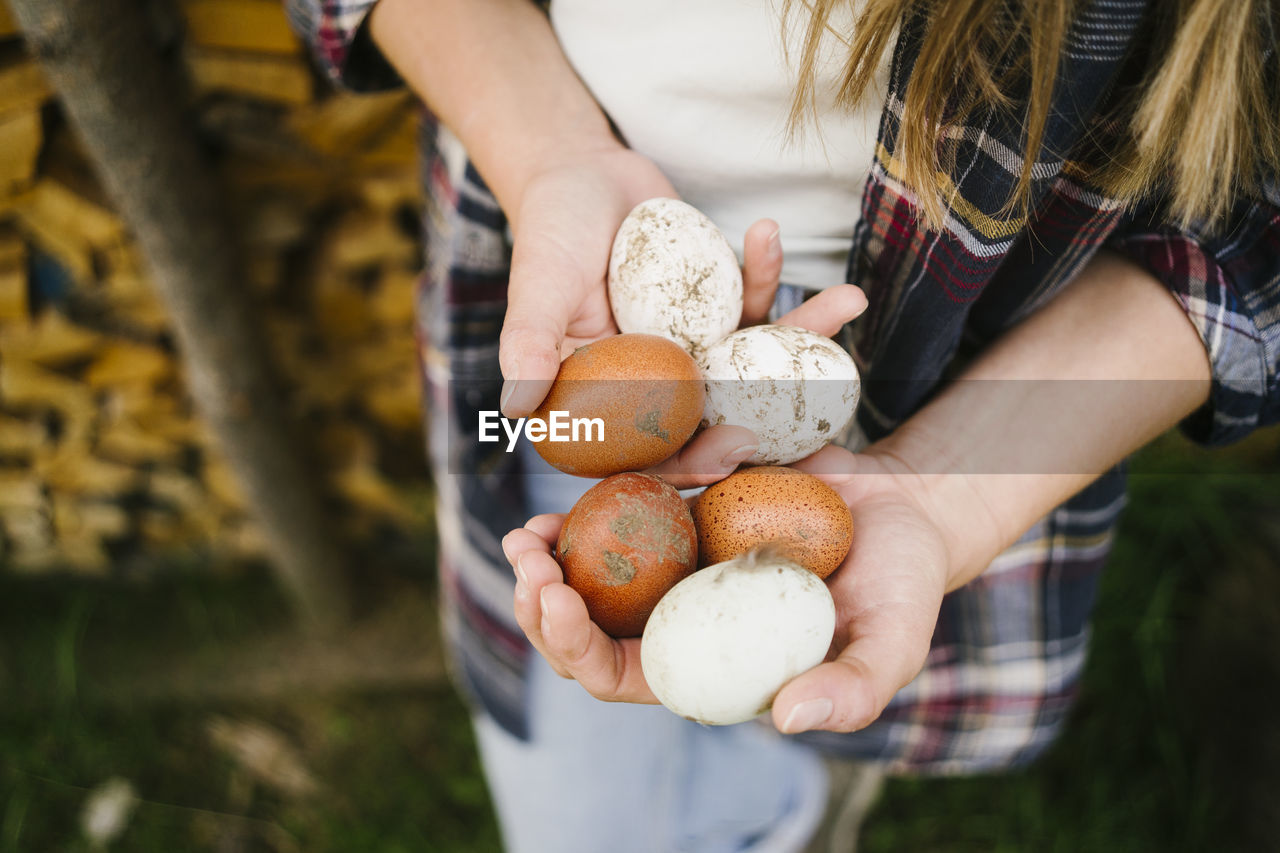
<point>494,73</point>
<point>564,224</point>
<point>563,227</point>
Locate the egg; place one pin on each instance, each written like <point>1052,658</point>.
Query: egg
<point>795,389</point>
<point>799,515</point>
<point>722,643</point>
<point>637,398</point>
<point>672,273</point>
<point>625,543</point>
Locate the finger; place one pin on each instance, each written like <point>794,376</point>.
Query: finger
<point>546,526</point>
<point>834,465</point>
<point>608,669</point>
<point>540,302</point>
<point>888,594</point>
<point>849,693</point>
<point>852,475</point>
<point>761,267</point>
<point>535,570</point>
<point>828,310</point>
<point>709,457</point>
<point>523,539</point>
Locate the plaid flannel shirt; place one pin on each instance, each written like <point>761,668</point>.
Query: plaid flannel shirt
<point>1009,647</point>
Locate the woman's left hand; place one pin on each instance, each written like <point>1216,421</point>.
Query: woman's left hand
<point>887,595</point>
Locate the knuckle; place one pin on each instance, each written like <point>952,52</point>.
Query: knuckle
<point>528,623</point>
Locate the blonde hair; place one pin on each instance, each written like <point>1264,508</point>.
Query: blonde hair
<point>1204,123</point>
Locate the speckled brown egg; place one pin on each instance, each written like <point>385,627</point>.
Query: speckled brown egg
<point>796,512</point>
<point>627,541</point>
<point>647,393</point>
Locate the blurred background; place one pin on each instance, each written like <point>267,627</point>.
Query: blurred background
<point>158,690</point>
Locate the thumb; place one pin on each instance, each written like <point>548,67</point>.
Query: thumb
<point>539,307</point>
<point>850,692</point>
<point>761,267</point>
<point>888,595</point>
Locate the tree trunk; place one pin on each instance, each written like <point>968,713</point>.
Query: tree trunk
<point>128,105</point>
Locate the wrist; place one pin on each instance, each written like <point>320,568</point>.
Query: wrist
<point>493,72</point>
<point>558,179</point>
<point>951,499</point>
<point>1052,404</point>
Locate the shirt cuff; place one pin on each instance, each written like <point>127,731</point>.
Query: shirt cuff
<point>1220,293</point>
<point>337,33</point>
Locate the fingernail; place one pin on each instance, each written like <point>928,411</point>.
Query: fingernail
<point>775,241</point>
<point>522,580</point>
<point>509,387</point>
<point>546,611</point>
<point>737,457</point>
<point>807,715</point>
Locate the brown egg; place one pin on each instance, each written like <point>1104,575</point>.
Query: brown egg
<point>627,541</point>
<point>645,390</point>
<point>797,513</point>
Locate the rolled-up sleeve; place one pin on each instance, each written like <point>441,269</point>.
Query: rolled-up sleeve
<point>336,33</point>
<point>1227,279</point>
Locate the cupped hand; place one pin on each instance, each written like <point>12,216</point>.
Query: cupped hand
<point>563,231</point>
<point>888,593</point>
<point>554,618</point>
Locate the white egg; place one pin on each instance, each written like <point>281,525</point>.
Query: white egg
<point>672,273</point>
<point>722,642</point>
<point>795,389</point>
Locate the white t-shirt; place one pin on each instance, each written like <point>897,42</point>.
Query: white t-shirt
<point>703,88</point>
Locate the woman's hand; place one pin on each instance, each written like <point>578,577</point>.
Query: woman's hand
<point>558,301</point>
<point>567,216</point>
<point>558,298</point>
<point>887,594</point>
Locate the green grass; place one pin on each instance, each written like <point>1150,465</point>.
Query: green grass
<point>396,768</point>
<point>397,772</point>
<point>1173,747</point>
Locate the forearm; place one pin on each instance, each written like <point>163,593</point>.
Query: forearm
<point>493,72</point>
<point>1107,366</point>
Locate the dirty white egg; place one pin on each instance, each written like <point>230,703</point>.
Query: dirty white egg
<point>795,389</point>
<point>722,642</point>
<point>672,273</point>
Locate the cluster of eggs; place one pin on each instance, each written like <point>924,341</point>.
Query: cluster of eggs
<point>672,273</point>
<point>720,641</point>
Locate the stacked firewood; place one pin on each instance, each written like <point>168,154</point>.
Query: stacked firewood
<point>103,462</point>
